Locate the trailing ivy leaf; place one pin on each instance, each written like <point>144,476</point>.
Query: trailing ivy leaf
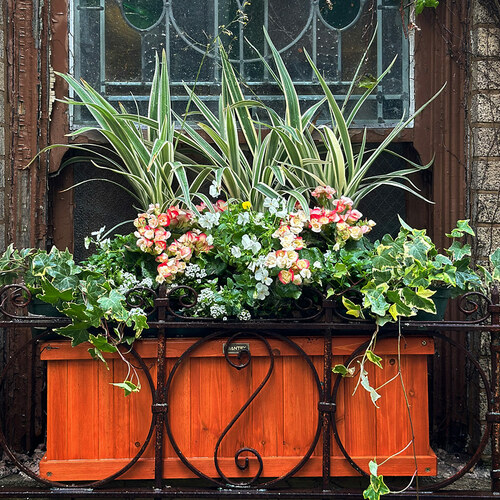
<point>113,304</point>
<point>398,308</point>
<point>371,356</point>
<point>418,249</point>
<point>495,260</point>
<point>404,225</point>
<point>127,386</point>
<point>343,370</point>
<point>97,354</point>
<point>101,343</point>
<point>77,332</point>
<point>375,299</point>
<point>52,295</point>
<point>365,383</point>
<point>41,262</point>
<point>461,229</point>
<point>413,299</point>
<point>351,308</point>
<point>377,487</point>
<point>140,323</point>
<point>457,250</point>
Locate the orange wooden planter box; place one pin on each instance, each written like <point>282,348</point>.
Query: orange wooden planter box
<point>93,430</point>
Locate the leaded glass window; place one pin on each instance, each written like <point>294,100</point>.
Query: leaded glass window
<point>115,42</point>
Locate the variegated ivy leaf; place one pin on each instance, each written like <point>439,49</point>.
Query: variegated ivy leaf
<point>418,249</point>
<point>458,251</point>
<point>365,383</point>
<point>495,260</point>
<point>343,370</point>
<point>461,229</point>
<point>351,308</point>
<point>376,360</point>
<point>413,299</point>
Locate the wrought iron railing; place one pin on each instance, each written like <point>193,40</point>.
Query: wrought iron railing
<point>482,314</point>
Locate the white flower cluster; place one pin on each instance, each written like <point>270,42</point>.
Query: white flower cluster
<point>195,271</point>
<point>244,315</point>
<point>251,243</point>
<point>214,189</point>
<point>218,311</point>
<point>209,219</point>
<point>136,311</point>
<point>129,281</point>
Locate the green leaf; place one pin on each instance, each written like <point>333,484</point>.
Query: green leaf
<point>351,308</point>
<point>461,229</point>
<point>101,343</point>
<point>113,304</point>
<point>77,332</point>
<point>495,261</point>
<point>457,250</point>
<point>343,370</point>
<point>371,356</point>
<point>375,299</point>
<point>416,300</point>
<point>52,295</point>
<point>127,386</point>
<point>418,249</point>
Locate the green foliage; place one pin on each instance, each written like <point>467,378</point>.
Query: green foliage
<point>406,271</point>
<point>377,487</point>
<point>420,5</point>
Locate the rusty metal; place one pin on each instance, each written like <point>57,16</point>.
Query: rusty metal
<point>93,484</point>
<point>328,324</point>
<point>494,401</point>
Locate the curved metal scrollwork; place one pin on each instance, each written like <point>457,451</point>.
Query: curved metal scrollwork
<point>223,480</point>
<point>14,296</point>
<point>181,299</point>
<point>143,298</point>
<point>93,484</point>
<point>484,438</point>
<point>475,303</point>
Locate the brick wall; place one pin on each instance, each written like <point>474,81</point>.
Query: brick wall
<point>3,118</point>
<point>483,167</point>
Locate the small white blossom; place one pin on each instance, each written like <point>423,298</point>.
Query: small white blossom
<point>209,220</point>
<point>317,265</point>
<point>250,243</point>
<point>262,291</point>
<point>236,252</point>
<point>214,190</point>
<point>210,240</point>
<point>272,204</point>
<point>243,218</point>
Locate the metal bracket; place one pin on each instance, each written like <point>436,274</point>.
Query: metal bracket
<point>327,407</point>
<point>159,408</point>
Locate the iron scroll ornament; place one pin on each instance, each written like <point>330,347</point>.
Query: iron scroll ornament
<point>245,358</point>
<point>88,485</point>
<point>484,437</point>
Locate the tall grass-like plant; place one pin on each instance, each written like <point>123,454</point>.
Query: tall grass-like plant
<point>288,155</point>
<point>144,149</point>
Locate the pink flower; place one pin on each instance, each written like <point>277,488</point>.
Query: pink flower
<point>353,215</point>
<point>163,219</point>
<point>286,276</point>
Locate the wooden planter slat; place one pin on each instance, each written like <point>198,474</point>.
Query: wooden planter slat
<point>93,430</point>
